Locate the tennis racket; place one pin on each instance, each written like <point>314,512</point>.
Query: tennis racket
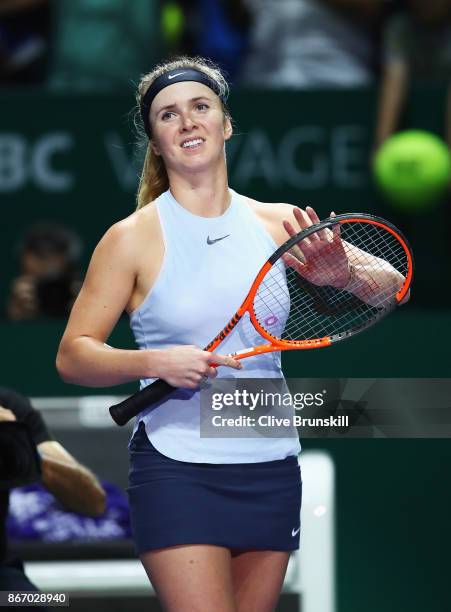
<point>325,284</point>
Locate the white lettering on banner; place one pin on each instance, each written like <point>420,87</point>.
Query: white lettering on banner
<point>348,153</point>
<point>13,174</point>
<point>340,164</point>
<point>314,178</point>
<point>22,162</point>
<point>305,157</point>
<point>124,165</point>
<point>257,159</point>
<point>46,176</point>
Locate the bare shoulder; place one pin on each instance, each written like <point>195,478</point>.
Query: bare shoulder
<point>126,237</point>
<point>271,210</point>
<point>127,252</point>
<point>272,215</point>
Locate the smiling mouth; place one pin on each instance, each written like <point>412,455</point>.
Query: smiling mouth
<point>193,143</point>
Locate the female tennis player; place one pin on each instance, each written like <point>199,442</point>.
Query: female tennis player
<point>214,519</point>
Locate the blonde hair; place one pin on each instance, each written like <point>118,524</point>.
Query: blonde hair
<point>154,177</point>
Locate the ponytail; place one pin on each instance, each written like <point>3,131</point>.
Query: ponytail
<point>154,179</point>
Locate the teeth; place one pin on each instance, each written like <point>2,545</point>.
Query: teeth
<point>192,143</point>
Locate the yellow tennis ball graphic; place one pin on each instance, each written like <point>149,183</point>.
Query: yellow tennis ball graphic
<point>412,169</point>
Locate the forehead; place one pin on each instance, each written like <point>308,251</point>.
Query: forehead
<point>179,93</point>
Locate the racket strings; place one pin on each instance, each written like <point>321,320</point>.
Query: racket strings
<point>293,304</point>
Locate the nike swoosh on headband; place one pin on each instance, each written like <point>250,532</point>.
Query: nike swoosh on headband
<point>213,240</point>
<point>165,79</point>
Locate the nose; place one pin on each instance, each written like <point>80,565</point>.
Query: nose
<point>186,123</point>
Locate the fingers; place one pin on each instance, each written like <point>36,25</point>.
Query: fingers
<point>292,232</point>
<point>200,379</point>
<point>302,217</point>
<point>293,262</point>
<point>224,360</point>
<point>336,229</point>
<point>188,366</point>
<point>312,214</point>
<point>289,228</point>
<point>315,219</point>
<point>306,218</point>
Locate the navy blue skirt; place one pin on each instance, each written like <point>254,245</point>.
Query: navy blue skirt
<point>235,505</point>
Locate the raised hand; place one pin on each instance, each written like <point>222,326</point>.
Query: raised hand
<point>322,259</point>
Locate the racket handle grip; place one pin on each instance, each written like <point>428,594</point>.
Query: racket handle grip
<point>124,411</point>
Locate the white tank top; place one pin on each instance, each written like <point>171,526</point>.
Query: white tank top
<point>208,267</point>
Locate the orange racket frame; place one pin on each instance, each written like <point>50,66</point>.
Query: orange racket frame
<point>158,390</point>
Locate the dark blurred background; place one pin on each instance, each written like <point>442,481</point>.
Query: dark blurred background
<point>318,87</point>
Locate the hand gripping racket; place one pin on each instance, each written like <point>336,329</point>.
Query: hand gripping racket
<point>327,283</point>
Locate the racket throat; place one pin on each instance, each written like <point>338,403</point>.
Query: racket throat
<point>256,350</point>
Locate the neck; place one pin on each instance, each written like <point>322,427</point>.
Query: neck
<point>206,195</point>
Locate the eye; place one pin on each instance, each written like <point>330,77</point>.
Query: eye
<point>166,115</point>
<point>202,106</point>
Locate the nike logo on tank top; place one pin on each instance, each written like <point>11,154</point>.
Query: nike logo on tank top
<point>208,267</point>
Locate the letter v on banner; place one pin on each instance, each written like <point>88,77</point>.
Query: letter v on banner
<point>124,167</point>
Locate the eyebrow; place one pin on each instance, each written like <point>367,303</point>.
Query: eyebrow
<point>169,106</point>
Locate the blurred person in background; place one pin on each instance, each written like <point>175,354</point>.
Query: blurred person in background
<point>25,34</point>
<point>72,484</point>
<point>312,43</point>
<point>103,46</point>
<point>218,29</point>
<point>417,46</point>
<point>48,280</point>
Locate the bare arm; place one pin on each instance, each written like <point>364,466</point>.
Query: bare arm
<point>392,97</point>
<point>70,482</point>
<point>84,358</point>
<point>375,282</point>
